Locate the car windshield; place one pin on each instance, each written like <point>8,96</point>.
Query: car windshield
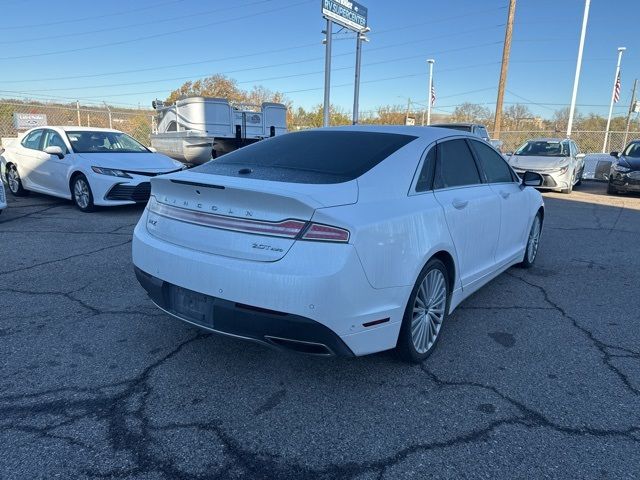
<point>104,142</point>
<point>544,148</point>
<point>633,150</point>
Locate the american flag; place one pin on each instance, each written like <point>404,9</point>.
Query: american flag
<point>616,90</point>
<point>433,94</point>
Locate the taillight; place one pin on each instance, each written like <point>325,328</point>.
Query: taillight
<point>326,233</point>
<point>290,228</point>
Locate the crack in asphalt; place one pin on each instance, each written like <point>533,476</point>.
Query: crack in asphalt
<point>601,346</point>
<point>13,219</point>
<point>49,262</point>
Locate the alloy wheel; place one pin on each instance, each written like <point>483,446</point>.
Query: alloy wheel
<point>13,180</point>
<point>81,193</point>
<point>429,311</point>
<point>534,240</point>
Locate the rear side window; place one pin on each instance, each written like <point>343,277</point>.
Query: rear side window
<point>426,174</point>
<point>32,140</point>
<point>482,132</point>
<point>494,166</point>
<point>309,157</point>
<point>456,166</point>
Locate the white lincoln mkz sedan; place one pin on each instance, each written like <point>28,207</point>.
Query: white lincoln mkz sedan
<point>91,166</point>
<point>341,241</point>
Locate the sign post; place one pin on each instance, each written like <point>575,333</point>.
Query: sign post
<point>353,16</point>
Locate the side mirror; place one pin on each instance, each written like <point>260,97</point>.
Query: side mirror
<point>509,154</point>
<point>615,154</point>
<point>580,156</point>
<point>54,150</point>
<point>532,179</point>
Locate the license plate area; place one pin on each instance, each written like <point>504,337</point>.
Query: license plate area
<point>193,306</point>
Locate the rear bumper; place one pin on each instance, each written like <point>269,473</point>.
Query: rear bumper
<point>278,329</point>
<point>315,289</point>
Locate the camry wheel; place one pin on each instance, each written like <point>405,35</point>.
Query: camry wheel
<point>425,313</point>
<point>15,184</point>
<point>610,189</point>
<point>81,192</point>
<point>533,241</point>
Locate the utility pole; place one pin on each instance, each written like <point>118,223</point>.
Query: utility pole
<point>406,118</point>
<point>576,80</point>
<point>326,120</point>
<point>431,61</point>
<point>360,37</point>
<point>78,111</point>
<point>506,52</point>
<point>109,112</point>
<point>613,94</point>
<point>631,107</point>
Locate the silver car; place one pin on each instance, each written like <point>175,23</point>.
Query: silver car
<point>558,160</point>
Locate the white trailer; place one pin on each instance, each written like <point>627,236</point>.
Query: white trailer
<point>196,129</point>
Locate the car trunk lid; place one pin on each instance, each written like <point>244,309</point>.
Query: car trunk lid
<point>237,217</point>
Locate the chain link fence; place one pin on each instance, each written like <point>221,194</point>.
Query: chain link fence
<point>588,141</point>
<point>137,123</point>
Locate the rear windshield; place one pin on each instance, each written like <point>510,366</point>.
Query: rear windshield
<point>310,157</point>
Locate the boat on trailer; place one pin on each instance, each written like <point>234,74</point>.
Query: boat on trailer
<point>196,129</point>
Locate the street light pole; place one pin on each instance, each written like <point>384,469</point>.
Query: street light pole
<point>613,94</point>
<point>326,120</point>
<point>576,80</point>
<point>360,37</point>
<point>431,61</point>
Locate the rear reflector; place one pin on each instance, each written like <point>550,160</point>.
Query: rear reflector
<point>290,228</point>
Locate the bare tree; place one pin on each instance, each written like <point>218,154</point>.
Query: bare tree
<point>471,113</point>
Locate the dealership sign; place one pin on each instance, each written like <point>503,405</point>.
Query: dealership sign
<point>347,13</point>
<point>25,121</point>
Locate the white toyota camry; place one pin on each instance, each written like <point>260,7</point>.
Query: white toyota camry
<point>91,166</point>
<point>341,241</point>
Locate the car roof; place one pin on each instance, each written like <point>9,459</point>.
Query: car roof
<point>460,124</point>
<point>548,139</point>
<point>71,128</point>
<point>426,133</point>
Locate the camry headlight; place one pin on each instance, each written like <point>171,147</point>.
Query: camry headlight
<point>562,170</point>
<point>110,171</point>
<point>620,168</point>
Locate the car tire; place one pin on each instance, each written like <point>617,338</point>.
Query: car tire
<point>533,241</point>
<point>579,182</point>
<point>611,190</point>
<point>425,314</point>
<point>81,193</point>
<point>567,190</point>
<point>14,182</point>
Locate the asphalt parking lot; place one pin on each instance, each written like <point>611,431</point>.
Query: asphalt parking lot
<point>536,375</point>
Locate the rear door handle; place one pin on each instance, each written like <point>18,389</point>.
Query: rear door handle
<point>504,195</point>
<point>460,204</point>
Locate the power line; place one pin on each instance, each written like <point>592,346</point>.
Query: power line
<point>211,60</point>
<point>94,17</point>
<point>132,25</point>
<point>157,35</point>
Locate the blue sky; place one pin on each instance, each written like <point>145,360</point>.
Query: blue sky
<point>277,43</point>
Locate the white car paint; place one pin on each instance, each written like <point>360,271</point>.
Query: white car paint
<point>48,174</point>
<point>394,230</point>
<point>3,196</point>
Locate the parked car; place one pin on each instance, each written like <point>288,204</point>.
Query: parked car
<point>341,241</point>
<point>625,170</point>
<point>474,128</point>
<point>558,160</point>
<point>3,197</point>
<point>91,166</point>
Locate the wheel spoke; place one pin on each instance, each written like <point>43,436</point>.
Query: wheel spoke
<point>428,310</point>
